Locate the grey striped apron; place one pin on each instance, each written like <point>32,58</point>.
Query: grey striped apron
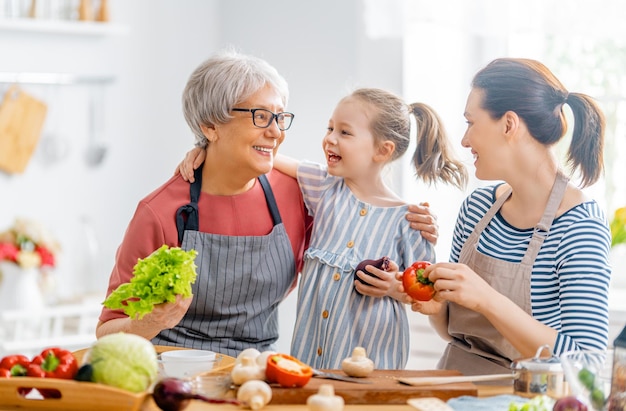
<point>477,347</point>
<point>241,281</point>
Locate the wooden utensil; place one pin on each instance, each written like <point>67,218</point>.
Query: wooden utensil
<point>21,120</point>
<point>421,381</point>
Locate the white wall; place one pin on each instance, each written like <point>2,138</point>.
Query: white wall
<point>320,47</point>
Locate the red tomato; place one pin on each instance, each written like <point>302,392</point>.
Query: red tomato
<point>415,284</point>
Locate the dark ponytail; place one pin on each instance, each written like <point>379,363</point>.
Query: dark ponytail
<point>529,89</point>
<point>586,151</point>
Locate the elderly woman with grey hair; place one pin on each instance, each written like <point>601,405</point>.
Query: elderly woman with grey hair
<point>246,221</point>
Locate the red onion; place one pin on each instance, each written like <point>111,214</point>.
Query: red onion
<point>173,394</point>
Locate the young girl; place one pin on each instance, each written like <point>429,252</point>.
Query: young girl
<point>357,217</point>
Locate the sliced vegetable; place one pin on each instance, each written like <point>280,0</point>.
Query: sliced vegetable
<point>415,284</point>
<point>287,371</point>
<point>158,278</point>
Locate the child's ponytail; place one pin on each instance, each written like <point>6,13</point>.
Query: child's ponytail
<point>433,158</point>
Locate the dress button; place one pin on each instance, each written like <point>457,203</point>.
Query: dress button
<point>325,314</point>
<point>336,276</point>
<point>363,212</point>
<point>350,244</point>
<point>319,350</point>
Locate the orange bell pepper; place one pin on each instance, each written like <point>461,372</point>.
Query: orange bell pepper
<point>287,371</point>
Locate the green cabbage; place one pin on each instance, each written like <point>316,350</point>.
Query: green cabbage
<point>156,279</point>
<point>125,361</point>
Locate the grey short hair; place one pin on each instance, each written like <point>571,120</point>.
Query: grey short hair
<point>220,83</point>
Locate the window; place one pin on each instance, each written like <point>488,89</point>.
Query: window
<point>582,42</point>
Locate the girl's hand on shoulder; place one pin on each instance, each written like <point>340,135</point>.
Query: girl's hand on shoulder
<point>191,162</point>
<point>422,219</point>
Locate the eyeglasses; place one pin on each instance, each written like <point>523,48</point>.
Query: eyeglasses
<point>263,118</point>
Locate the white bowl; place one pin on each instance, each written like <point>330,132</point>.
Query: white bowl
<point>186,363</point>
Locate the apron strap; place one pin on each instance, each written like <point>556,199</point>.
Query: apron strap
<point>271,201</point>
<point>187,215</point>
<point>542,228</point>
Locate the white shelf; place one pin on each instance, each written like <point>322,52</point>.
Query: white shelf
<point>82,28</point>
<point>53,78</point>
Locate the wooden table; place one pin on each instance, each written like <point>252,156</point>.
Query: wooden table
<point>386,395</point>
<point>483,391</point>
<point>80,396</point>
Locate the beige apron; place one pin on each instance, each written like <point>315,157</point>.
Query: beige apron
<point>477,347</point>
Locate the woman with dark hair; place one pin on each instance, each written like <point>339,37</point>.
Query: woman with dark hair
<point>529,264</point>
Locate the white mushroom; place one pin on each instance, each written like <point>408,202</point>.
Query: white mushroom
<point>358,365</point>
<point>246,370</point>
<point>255,394</point>
<point>248,352</point>
<point>325,400</point>
<point>261,360</point>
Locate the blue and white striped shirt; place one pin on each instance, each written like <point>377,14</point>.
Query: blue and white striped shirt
<point>333,318</point>
<point>571,275</point>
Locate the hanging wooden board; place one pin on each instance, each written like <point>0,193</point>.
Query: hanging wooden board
<point>21,119</point>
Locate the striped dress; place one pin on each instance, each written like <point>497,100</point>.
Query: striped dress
<point>571,275</point>
<point>332,317</point>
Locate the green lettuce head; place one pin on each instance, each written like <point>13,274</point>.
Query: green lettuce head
<point>122,360</point>
<point>156,279</point>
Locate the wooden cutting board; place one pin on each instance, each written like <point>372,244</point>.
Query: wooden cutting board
<point>385,389</point>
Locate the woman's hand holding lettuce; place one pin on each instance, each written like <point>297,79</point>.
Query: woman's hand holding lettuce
<point>157,279</point>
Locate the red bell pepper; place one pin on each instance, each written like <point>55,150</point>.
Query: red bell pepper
<point>14,365</point>
<point>287,371</point>
<point>415,284</point>
<point>53,363</point>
